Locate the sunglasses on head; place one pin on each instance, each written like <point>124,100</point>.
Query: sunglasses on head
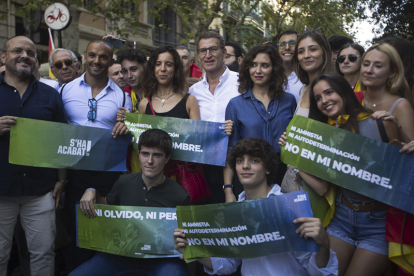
<point>318,30</point>
<point>59,64</point>
<point>351,58</point>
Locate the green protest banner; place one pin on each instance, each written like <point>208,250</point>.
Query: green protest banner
<point>247,229</point>
<point>193,141</point>
<point>139,232</point>
<point>366,166</point>
<point>55,145</point>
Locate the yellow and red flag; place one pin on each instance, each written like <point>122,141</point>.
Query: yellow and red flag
<point>51,47</point>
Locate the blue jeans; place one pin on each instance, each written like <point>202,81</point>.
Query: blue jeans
<point>103,264</point>
<point>362,229</point>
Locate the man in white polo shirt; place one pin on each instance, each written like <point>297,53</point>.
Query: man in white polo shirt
<point>213,93</point>
<point>92,100</point>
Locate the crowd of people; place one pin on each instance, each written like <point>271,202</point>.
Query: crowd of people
<point>255,94</point>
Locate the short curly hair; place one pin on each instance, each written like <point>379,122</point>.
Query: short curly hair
<point>278,81</point>
<point>257,148</point>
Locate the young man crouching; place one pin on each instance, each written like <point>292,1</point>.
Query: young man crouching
<point>254,162</point>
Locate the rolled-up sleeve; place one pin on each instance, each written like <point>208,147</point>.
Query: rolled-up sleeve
<point>308,261</point>
<point>223,266</point>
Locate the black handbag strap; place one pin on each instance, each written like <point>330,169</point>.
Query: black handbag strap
<point>382,132</point>
<point>61,90</point>
<point>123,103</point>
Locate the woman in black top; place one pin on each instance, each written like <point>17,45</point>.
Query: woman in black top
<point>165,87</point>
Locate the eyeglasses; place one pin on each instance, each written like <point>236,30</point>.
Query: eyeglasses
<point>228,56</point>
<point>59,64</point>
<point>92,103</point>
<point>283,44</point>
<point>351,58</point>
<point>213,50</point>
<point>20,50</point>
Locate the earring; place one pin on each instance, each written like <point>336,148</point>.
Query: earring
<point>389,83</point>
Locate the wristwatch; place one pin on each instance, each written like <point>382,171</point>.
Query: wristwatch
<point>63,181</point>
<point>227,186</point>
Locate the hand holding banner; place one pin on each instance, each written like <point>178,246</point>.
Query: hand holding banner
<point>363,165</point>
<point>55,145</point>
<point>245,229</point>
<point>193,141</point>
<point>131,231</point>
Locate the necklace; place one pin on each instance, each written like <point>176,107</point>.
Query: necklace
<point>164,99</point>
<point>375,104</point>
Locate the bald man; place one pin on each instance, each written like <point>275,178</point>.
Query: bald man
<point>92,100</point>
<point>30,192</point>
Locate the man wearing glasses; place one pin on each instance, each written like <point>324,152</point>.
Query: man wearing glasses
<point>92,100</point>
<point>64,65</point>
<point>27,191</point>
<point>218,86</point>
<point>286,47</point>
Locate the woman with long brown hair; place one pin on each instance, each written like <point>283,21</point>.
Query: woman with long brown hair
<point>263,110</point>
<point>165,87</point>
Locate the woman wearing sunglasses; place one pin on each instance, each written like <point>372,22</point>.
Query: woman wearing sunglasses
<point>348,63</point>
<point>311,59</point>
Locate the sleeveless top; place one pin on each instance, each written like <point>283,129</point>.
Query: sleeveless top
<point>301,111</point>
<point>395,104</point>
<point>178,111</point>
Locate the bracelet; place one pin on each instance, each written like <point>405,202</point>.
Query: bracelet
<point>90,189</point>
<point>227,186</point>
<point>63,181</point>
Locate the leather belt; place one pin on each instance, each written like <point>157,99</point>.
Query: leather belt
<point>363,207</point>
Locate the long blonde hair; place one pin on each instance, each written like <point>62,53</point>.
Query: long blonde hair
<point>397,85</point>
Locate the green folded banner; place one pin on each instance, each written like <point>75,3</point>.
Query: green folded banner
<point>247,229</point>
<point>193,141</point>
<point>55,145</point>
<point>138,232</point>
<point>363,165</point>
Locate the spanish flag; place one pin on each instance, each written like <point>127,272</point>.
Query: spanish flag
<point>51,47</point>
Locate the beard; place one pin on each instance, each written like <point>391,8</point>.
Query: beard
<point>26,72</point>
<point>234,66</point>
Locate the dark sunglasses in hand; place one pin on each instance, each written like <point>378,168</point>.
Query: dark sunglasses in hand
<point>93,104</point>
<point>59,64</point>
<point>351,58</point>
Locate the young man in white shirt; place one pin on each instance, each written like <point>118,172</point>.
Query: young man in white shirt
<point>254,162</point>
<point>286,47</point>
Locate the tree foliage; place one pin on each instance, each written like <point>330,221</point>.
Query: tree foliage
<point>393,17</point>
<point>239,18</point>
<point>335,17</point>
